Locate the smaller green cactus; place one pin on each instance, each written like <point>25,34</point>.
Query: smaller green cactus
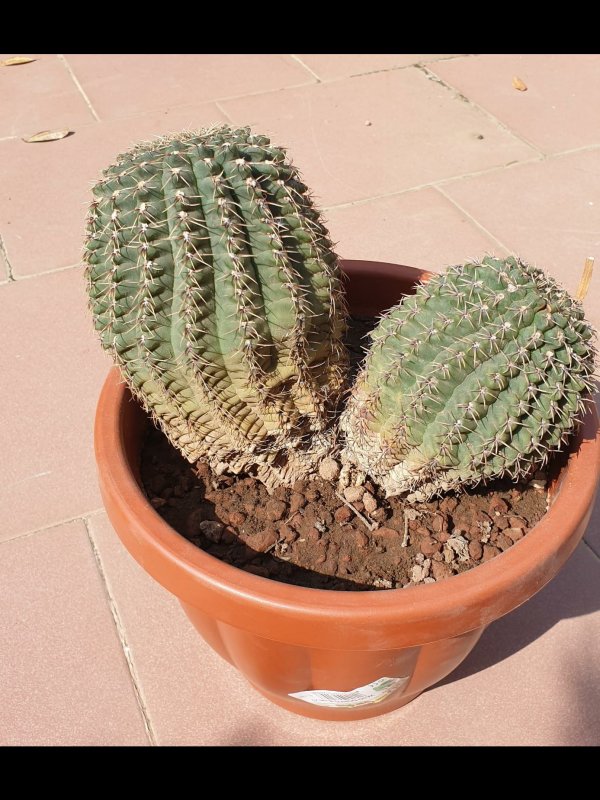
<point>481,374</point>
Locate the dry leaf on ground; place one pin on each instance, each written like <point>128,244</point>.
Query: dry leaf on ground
<point>47,136</point>
<point>16,60</point>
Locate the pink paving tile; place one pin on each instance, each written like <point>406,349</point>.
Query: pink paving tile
<point>120,85</point>
<point>419,132</point>
<point>592,534</point>
<point>548,212</point>
<point>54,367</point>
<point>46,188</point>
<point>421,229</point>
<point>531,680</point>
<point>343,65</point>
<point>559,110</point>
<point>63,676</point>
<point>39,96</point>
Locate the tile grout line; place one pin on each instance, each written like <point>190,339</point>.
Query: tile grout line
<point>432,76</point>
<point>434,184</point>
<point>3,253</point>
<point>418,64</point>
<point>466,176</point>
<point>226,98</point>
<point>377,71</point>
<point>222,110</point>
<point>122,639</point>
<point>589,546</point>
<point>20,278</point>
<point>79,87</point>
<point>78,518</point>
<point>473,220</point>
<point>331,81</point>
<point>298,60</point>
<point>573,151</point>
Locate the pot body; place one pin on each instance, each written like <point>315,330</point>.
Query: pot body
<point>330,654</point>
<point>333,684</point>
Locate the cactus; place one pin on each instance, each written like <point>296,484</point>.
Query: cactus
<point>214,285</point>
<point>481,374</point>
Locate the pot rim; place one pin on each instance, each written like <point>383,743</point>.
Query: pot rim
<point>494,588</point>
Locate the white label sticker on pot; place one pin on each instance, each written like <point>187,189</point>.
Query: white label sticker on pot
<point>371,693</point>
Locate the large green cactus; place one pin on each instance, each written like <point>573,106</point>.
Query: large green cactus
<point>479,375</point>
<point>214,285</point>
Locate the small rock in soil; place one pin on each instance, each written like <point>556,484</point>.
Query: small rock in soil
<point>369,502</point>
<point>517,522</point>
<point>343,515</point>
<point>448,504</point>
<point>297,501</point>
<point>249,506</point>
<point>358,538</point>
<point>459,546</point>
<point>489,552</point>
<point>514,533</point>
<point>237,519</point>
<point>429,546</point>
<point>499,506</point>
<point>212,530</point>
<point>262,540</point>
<point>438,523</point>
<point>502,541</point>
<point>353,493</point>
<point>275,509</point>
<point>287,533</point>
<point>475,550</point>
<point>382,583</point>
<point>329,469</point>
<point>420,571</point>
<point>388,535</point>
<point>440,570</point>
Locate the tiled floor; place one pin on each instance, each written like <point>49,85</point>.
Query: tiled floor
<point>418,159</point>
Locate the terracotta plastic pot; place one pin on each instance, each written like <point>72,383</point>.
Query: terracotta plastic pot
<point>348,655</point>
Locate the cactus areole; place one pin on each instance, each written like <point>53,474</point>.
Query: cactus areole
<point>215,287</point>
<point>481,374</point>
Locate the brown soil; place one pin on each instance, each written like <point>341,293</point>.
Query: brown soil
<point>309,536</point>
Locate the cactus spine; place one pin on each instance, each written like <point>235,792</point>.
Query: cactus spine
<point>479,375</point>
<point>214,285</point>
